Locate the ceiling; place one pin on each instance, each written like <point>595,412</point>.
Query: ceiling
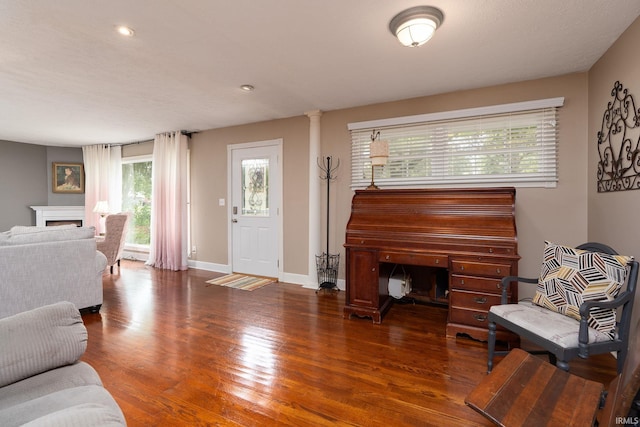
<point>68,79</point>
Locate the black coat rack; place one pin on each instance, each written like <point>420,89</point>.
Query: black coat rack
<point>327,264</point>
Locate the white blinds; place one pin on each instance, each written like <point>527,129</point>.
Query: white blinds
<point>494,147</point>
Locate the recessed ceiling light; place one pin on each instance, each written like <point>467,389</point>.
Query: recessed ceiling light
<point>247,88</point>
<point>125,31</point>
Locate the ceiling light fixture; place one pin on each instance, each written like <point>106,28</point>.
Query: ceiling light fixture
<point>125,31</point>
<point>415,26</point>
<point>247,88</point>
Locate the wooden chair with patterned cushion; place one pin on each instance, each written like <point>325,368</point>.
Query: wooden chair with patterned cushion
<point>575,309</point>
<point>114,238</point>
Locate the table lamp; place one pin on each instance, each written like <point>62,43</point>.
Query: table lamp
<point>101,208</point>
<point>378,153</point>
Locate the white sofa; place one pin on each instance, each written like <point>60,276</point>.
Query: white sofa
<point>44,265</point>
<point>42,381</point>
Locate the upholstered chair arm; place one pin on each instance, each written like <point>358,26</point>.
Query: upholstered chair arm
<point>585,309</point>
<point>39,340</point>
<point>504,284</point>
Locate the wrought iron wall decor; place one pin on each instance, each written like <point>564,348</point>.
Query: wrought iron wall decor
<point>619,143</point>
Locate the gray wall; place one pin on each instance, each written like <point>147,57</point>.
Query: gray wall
<point>25,174</point>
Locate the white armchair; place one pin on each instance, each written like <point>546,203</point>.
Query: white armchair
<point>115,235</point>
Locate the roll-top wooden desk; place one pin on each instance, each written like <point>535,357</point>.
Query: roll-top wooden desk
<point>468,234</point>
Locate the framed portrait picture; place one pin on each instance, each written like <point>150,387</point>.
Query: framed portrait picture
<point>67,178</point>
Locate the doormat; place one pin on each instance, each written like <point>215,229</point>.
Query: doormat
<point>241,281</point>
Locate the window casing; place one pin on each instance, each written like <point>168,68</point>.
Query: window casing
<point>510,144</point>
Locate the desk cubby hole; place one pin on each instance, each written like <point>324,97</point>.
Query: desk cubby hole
<point>430,285</point>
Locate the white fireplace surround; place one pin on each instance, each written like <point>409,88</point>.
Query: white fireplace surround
<point>58,213</point>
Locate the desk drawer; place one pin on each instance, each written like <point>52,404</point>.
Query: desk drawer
<point>429,260</point>
<point>480,284</point>
<point>481,268</point>
<point>473,300</point>
<point>477,318</point>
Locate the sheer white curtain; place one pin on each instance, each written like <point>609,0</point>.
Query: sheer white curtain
<point>168,249</point>
<point>103,180</point>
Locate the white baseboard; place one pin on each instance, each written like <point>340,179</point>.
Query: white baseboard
<point>210,266</point>
<point>297,279</point>
<point>135,256</point>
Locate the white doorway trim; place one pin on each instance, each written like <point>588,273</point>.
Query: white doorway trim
<point>277,143</point>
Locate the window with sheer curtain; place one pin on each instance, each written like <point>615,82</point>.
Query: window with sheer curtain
<point>510,144</point>
<point>136,199</point>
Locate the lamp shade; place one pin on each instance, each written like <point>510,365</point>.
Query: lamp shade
<point>379,152</point>
<point>415,26</point>
<point>102,207</point>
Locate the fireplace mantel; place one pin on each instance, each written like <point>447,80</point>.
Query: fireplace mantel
<point>45,214</point>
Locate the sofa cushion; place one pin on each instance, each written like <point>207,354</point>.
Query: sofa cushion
<point>550,325</point>
<point>86,414</point>
<point>39,340</point>
<point>78,374</point>
<point>79,401</point>
<point>572,276</point>
<point>19,235</point>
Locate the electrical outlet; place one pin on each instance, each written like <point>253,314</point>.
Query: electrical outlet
<point>193,249</point>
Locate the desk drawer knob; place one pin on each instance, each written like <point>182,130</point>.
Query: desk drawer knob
<point>480,300</point>
<point>387,257</point>
<point>437,261</point>
<point>462,281</point>
<point>462,268</point>
<point>373,269</point>
<point>498,286</point>
<point>498,270</point>
<point>480,317</point>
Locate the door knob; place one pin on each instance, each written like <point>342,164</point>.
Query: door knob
<point>234,220</point>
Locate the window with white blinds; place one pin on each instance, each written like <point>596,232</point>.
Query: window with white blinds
<point>509,144</point>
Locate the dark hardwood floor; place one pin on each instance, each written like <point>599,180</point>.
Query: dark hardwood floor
<point>176,352</point>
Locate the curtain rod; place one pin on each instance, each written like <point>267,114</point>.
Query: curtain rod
<point>188,133</point>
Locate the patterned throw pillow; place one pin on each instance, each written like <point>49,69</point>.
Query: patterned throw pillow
<point>571,276</point>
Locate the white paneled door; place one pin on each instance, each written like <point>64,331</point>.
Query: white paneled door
<point>256,186</point>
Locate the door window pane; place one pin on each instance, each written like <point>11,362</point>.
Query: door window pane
<point>255,187</point>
